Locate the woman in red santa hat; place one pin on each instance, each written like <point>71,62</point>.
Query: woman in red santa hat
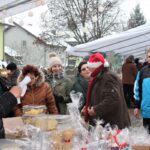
<point>105,98</point>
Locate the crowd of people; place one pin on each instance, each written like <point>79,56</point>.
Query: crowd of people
<point>104,95</point>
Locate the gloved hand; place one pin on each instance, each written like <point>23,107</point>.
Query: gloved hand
<point>59,98</point>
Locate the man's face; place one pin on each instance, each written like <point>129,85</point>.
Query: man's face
<point>148,57</point>
<point>10,73</point>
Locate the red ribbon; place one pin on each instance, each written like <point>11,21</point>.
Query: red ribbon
<point>123,145</point>
<point>67,141</point>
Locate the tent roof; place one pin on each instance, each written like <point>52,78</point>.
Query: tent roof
<point>125,43</point>
<point>12,7</point>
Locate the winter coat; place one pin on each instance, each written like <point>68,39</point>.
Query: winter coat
<point>61,88</point>
<point>7,102</point>
<point>142,91</point>
<point>40,94</point>
<point>81,85</point>
<point>108,100</point>
<point>129,72</point>
<point>4,85</point>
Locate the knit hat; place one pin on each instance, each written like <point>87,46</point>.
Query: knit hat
<point>96,60</point>
<point>54,60</point>
<point>11,66</point>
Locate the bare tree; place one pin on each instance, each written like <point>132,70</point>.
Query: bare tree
<point>86,20</point>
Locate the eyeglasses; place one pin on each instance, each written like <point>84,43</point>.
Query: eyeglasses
<point>83,69</point>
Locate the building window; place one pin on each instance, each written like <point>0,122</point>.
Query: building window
<point>24,44</point>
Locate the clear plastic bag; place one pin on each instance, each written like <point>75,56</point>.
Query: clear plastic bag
<point>34,110</point>
<point>139,136</point>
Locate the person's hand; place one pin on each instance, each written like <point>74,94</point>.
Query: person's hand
<point>16,91</point>
<point>83,111</point>
<point>91,111</point>
<point>136,112</point>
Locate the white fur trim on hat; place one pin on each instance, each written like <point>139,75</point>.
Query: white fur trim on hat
<point>106,63</point>
<point>97,64</point>
<point>94,64</point>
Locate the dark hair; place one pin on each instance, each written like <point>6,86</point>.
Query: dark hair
<point>11,66</point>
<point>136,60</point>
<point>80,65</point>
<point>30,69</point>
<point>131,57</point>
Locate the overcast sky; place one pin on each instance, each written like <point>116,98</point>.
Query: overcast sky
<point>127,6</point>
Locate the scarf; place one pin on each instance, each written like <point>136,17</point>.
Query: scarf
<point>51,76</point>
<point>57,75</point>
<point>90,86</point>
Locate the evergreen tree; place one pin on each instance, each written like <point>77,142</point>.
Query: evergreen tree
<point>136,18</point>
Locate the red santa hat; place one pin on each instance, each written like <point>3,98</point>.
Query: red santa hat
<point>96,60</point>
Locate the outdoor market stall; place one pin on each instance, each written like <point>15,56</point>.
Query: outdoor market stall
<point>68,132</point>
<point>131,42</point>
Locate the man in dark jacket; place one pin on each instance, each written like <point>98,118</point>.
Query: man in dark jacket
<point>14,73</point>
<point>7,102</point>
<point>105,99</point>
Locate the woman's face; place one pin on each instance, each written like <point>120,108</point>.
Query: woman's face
<point>85,72</point>
<point>33,79</point>
<point>56,68</point>
<point>92,69</point>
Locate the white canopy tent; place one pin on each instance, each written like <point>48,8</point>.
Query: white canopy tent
<point>131,42</point>
<point>12,7</point>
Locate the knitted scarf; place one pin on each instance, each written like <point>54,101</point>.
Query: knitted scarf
<point>50,76</point>
<point>90,86</point>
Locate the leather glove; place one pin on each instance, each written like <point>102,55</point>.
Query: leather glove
<point>59,98</point>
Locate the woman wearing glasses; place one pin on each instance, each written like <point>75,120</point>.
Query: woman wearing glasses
<point>81,82</point>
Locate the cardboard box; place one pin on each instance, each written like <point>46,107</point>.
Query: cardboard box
<point>136,147</point>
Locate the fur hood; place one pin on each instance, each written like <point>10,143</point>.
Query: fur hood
<point>40,80</point>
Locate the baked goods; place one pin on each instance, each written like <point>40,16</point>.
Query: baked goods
<point>62,140</point>
<point>34,109</point>
<point>27,119</point>
<point>68,135</point>
<point>40,123</point>
<point>51,124</point>
<point>33,112</point>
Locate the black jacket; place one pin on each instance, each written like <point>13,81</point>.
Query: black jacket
<point>4,85</point>
<point>7,102</point>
